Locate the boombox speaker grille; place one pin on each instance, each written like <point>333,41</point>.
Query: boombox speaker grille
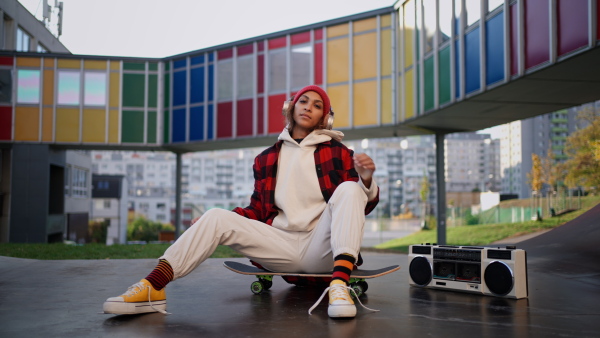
<point>499,278</point>
<point>420,271</point>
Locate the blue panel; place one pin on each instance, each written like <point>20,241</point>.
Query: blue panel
<point>211,122</point>
<point>211,57</point>
<point>472,61</point>
<point>197,59</point>
<point>197,85</point>
<point>457,68</point>
<point>179,63</point>
<point>179,125</point>
<point>494,49</point>
<point>196,123</point>
<point>211,82</point>
<point>179,88</point>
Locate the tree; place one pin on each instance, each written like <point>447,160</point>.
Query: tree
<point>534,178</point>
<point>551,171</point>
<point>142,229</point>
<point>424,194</point>
<point>583,163</point>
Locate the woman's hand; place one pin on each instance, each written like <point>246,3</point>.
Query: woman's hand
<point>365,167</point>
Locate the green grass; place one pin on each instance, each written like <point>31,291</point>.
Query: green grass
<point>95,251</point>
<point>483,234</point>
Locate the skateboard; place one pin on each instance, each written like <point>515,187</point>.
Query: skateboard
<point>265,277</point>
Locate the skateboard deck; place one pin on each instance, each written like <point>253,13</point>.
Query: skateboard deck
<point>265,277</point>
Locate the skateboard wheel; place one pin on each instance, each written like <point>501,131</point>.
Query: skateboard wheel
<point>358,289</point>
<point>364,286</point>
<point>257,287</point>
<point>266,283</point>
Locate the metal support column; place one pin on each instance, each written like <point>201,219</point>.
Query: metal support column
<point>441,188</point>
<point>178,170</point>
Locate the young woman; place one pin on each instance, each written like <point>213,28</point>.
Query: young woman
<point>306,214</point>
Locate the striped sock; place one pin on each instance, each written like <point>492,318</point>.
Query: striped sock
<point>161,275</point>
<point>342,267</point>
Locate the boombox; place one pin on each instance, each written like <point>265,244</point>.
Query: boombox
<point>500,272</point>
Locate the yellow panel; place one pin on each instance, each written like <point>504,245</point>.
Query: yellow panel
<point>364,25</point>
<point>365,103</point>
<point>113,126</point>
<point>49,63</point>
<point>115,90</point>
<point>64,63</point>
<point>386,101</point>
<point>115,65</point>
<point>67,125</point>
<point>409,31</point>
<point>386,52</point>
<point>337,60</point>
<point>47,122</point>
<point>386,20</point>
<point>28,62</point>
<point>94,64</point>
<point>94,125</point>
<point>48,95</point>
<point>338,95</point>
<point>409,102</point>
<point>27,124</point>
<point>365,56</point>
<point>338,30</point>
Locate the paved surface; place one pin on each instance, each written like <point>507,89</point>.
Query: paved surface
<point>64,298</point>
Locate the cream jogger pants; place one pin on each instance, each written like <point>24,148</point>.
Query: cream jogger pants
<point>339,230</point>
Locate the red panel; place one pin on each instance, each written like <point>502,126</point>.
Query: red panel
<point>514,40</point>
<point>245,50</point>
<point>6,61</point>
<point>224,119</point>
<point>260,77</point>
<point>224,54</point>
<point>276,120</point>
<point>572,25</point>
<point>6,123</point>
<point>300,38</point>
<point>319,34</point>
<point>244,117</point>
<point>277,43</point>
<point>261,46</point>
<point>537,36</point>
<point>260,120</point>
<point>319,63</point>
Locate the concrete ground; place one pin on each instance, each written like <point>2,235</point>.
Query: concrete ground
<point>64,299</point>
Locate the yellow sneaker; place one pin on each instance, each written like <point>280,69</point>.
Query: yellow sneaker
<point>140,298</point>
<point>340,302</point>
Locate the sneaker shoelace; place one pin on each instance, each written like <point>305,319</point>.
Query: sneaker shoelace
<point>137,288</point>
<point>338,291</point>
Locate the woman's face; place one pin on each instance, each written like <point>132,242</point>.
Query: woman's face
<point>308,111</point>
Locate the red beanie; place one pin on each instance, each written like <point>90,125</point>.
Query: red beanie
<point>318,90</point>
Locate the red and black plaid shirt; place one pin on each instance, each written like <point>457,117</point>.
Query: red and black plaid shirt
<point>334,165</point>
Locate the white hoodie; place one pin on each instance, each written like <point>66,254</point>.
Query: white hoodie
<point>301,201</point>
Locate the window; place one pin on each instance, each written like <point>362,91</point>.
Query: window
<point>68,87</point>
<point>301,57</point>
<point>28,86</point>
<point>245,77</point>
<point>277,71</point>
<point>23,40</point>
<point>67,180</point>
<point>225,80</point>
<point>94,89</point>
<point>41,48</point>
<point>79,182</point>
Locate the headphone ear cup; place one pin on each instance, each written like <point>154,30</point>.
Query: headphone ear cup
<point>330,117</point>
<point>286,105</point>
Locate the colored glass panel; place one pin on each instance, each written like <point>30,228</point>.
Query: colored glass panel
<point>65,63</point>
<point>338,30</point>
<point>94,89</point>
<point>245,77</point>
<point>6,61</point>
<point>27,121</point>
<point>429,84</point>
<point>179,88</point>
<point>28,62</point>
<point>153,67</point>
<point>260,77</point>
<point>572,25</point>
<point>133,126</point>
<point>167,90</point>
<point>245,50</point>
<point>94,64</point>
<point>225,80</point>
<point>409,32</point>
<point>386,101</point>
<point>69,83</point>
<point>275,119</point>
<point>301,59</point>
<point>67,125</point>
<point>47,124</point>
<point>409,94</point>
<point>472,61</point>
<point>225,120</point>
<point>94,125</point>
<point>152,90</point>
<point>337,60</point>
<point>48,92</point>
<point>537,39</point>
<point>260,115</point>
<point>364,56</point>
<point>197,60</point>
<point>134,66</point>
<point>277,70</point>
<point>429,23</point>
<point>473,11</point>
<point>197,85</point>
<point>318,63</point>
<point>300,38</point>
<point>166,126</point>
<point>115,65</point>
<point>445,19</point>
<point>211,83</point>
<point>386,52</point>
<point>28,86</point>
<point>385,20</point>
<point>494,49</point>
<point>365,103</point>
<point>318,33</point>
<point>196,127</point>
<point>277,42</point>
<point>178,125</point>
<point>514,40</point>
<point>245,118</point>
<point>182,63</point>
<point>5,123</point>
<point>225,54</point>
<point>133,90</point>
<point>445,82</point>
<point>338,95</point>
<point>211,122</point>
<point>114,89</point>
<point>6,83</point>
<point>364,25</point>
<point>151,131</point>
<point>113,126</point>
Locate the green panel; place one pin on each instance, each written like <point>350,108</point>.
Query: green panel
<point>133,90</point>
<point>167,91</point>
<point>152,90</point>
<point>133,127</point>
<point>152,66</point>
<point>444,76</point>
<point>429,84</point>
<point>167,65</point>
<point>151,135</point>
<point>418,89</point>
<point>134,66</point>
<point>166,126</point>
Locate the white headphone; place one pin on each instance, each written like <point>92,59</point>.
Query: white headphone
<point>330,115</point>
